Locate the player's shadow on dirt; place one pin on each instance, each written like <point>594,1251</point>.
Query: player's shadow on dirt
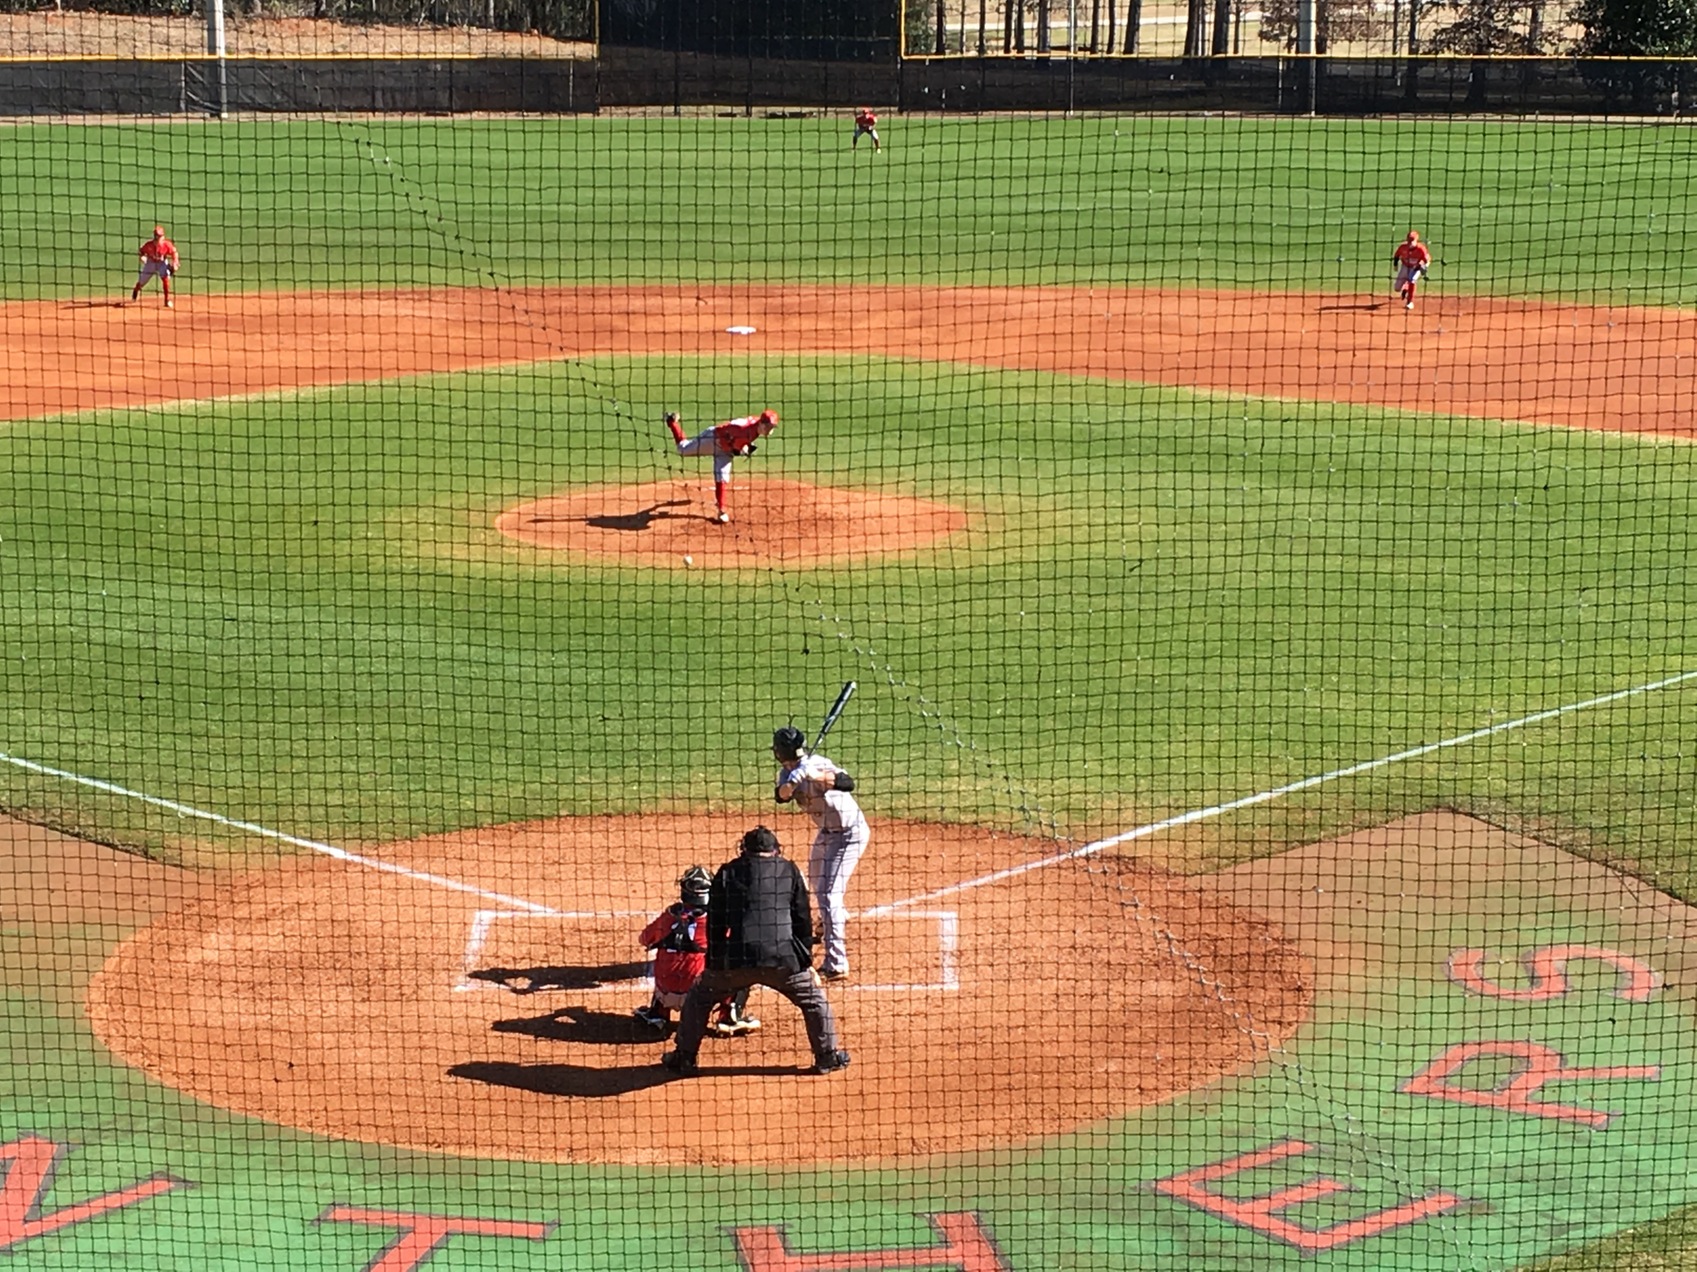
<point>1366,304</point>
<point>580,1080</point>
<point>580,1024</point>
<point>532,980</point>
<point>638,521</point>
<point>94,304</point>
<point>563,1079</point>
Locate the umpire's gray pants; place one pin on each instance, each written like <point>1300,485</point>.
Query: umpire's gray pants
<point>799,987</point>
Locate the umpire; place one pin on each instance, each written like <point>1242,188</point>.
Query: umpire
<point>759,932</point>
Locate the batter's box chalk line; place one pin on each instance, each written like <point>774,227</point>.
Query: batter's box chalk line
<point>946,927</point>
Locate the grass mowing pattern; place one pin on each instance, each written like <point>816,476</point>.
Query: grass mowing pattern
<point>1206,597</point>
<point>1589,212</point>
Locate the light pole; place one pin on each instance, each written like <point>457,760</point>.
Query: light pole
<point>215,47</point>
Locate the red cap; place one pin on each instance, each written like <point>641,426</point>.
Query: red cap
<point>769,417</point>
<point>159,231</point>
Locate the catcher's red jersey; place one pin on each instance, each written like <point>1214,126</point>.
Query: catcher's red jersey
<point>678,937</point>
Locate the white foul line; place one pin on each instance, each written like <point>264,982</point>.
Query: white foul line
<point>329,850</point>
<point>1247,801</point>
<point>1140,832</point>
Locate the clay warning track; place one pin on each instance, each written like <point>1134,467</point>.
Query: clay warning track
<point>1582,366</point>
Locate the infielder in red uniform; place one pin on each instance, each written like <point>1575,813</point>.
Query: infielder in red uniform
<point>678,937</point>
<point>158,260</point>
<point>724,442</point>
<point>865,124</point>
<point>1412,260</point>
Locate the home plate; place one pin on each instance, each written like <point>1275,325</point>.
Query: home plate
<point>739,331</point>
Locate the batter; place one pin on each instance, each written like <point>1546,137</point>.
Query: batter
<point>823,792</point>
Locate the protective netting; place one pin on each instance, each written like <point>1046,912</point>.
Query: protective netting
<point>1272,689</point>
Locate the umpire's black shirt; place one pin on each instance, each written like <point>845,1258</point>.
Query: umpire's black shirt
<point>759,914</point>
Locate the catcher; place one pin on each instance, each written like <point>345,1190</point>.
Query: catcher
<point>158,260</point>
<point>1412,260</point>
<point>678,938</point>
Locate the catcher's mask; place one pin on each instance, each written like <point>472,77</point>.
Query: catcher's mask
<point>788,743</point>
<point>760,840</point>
<point>694,886</point>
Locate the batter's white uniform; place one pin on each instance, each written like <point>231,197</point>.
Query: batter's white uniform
<point>837,847</point>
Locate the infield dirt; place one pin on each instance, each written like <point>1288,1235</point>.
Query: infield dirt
<point>1569,365</point>
<point>381,1007</point>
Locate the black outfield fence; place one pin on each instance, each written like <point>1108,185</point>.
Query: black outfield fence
<point>1322,85</point>
<point>636,77</point>
<point>168,86</point>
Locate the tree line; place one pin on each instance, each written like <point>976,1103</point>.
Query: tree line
<point>561,19</point>
<point>1477,28</point>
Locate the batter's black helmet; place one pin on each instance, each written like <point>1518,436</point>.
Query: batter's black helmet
<point>694,886</point>
<point>789,742</point>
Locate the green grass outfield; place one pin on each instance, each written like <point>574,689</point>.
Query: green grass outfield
<point>292,609</point>
<point>1518,209</point>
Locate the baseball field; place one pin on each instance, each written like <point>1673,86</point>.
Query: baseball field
<point>1272,710</point>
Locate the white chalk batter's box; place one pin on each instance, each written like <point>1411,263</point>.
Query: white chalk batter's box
<point>595,952</point>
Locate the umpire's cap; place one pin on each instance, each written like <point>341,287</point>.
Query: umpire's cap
<point>760,840</point>
<point>789,742</point>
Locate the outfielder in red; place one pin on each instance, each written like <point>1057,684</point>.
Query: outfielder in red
<point>865,124</point>
<point>678,937</point>
<point>724,442</point>
<point>158,260</point>
<point>1412,260</point>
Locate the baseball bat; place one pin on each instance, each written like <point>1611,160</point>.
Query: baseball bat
<point>835,711</point>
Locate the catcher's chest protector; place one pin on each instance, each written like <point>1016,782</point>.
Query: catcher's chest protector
<point>684,938</point>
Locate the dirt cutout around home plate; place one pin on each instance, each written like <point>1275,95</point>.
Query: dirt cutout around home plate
<point>773,523</point>
<point>387,1008</point>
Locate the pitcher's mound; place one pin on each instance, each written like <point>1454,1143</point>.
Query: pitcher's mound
<point>773,523</point>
